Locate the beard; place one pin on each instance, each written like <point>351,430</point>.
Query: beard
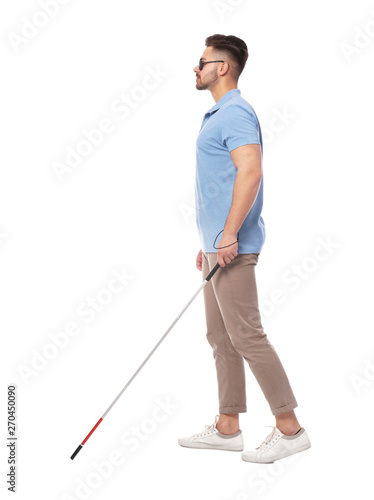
<point>208,81</point>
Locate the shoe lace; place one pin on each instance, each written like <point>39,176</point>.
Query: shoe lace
<point>208,428</point>
<point>269,439</point>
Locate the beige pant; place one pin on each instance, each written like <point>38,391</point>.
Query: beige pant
<point>235,333</point>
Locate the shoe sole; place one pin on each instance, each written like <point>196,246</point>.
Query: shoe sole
<point>284,455</point>
<point>207,447</point>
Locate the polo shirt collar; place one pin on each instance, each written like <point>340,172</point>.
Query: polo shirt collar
<point>231,93</point>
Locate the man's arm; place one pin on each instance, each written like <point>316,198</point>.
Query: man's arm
<point>247,160</point>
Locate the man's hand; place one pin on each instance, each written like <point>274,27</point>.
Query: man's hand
<point>226,255</point>
<point>199,260</point>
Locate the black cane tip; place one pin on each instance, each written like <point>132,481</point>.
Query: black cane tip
<point>76,452</point>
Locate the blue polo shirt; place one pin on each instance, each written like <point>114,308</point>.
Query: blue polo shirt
<point>230,123</point>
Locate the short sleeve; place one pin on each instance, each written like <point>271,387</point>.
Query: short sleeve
<point>239,127</point>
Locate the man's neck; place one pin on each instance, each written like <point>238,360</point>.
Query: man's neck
<point>218,93</point>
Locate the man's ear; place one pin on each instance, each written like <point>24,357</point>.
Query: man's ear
<point>225,68</point>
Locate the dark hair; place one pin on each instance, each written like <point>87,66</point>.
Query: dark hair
<point>232,45</point>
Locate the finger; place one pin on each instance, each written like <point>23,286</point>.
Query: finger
<point>221,262</point>
<point>231,257</point>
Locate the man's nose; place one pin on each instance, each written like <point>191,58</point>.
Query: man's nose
<point>196,69</point>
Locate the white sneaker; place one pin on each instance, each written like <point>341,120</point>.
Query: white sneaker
<point>212,439</point>
<point>277,445</point>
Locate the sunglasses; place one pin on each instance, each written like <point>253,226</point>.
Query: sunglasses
<point>201,63</point>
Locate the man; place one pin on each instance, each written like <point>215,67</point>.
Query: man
<point>229,197</point>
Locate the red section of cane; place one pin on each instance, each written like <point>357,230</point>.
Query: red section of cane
<point>85,439</point>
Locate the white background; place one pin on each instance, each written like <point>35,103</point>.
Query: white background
<point>128,207</point>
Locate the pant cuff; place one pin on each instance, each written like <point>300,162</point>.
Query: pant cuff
<point>284,409</point>
<point>233,409</point>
